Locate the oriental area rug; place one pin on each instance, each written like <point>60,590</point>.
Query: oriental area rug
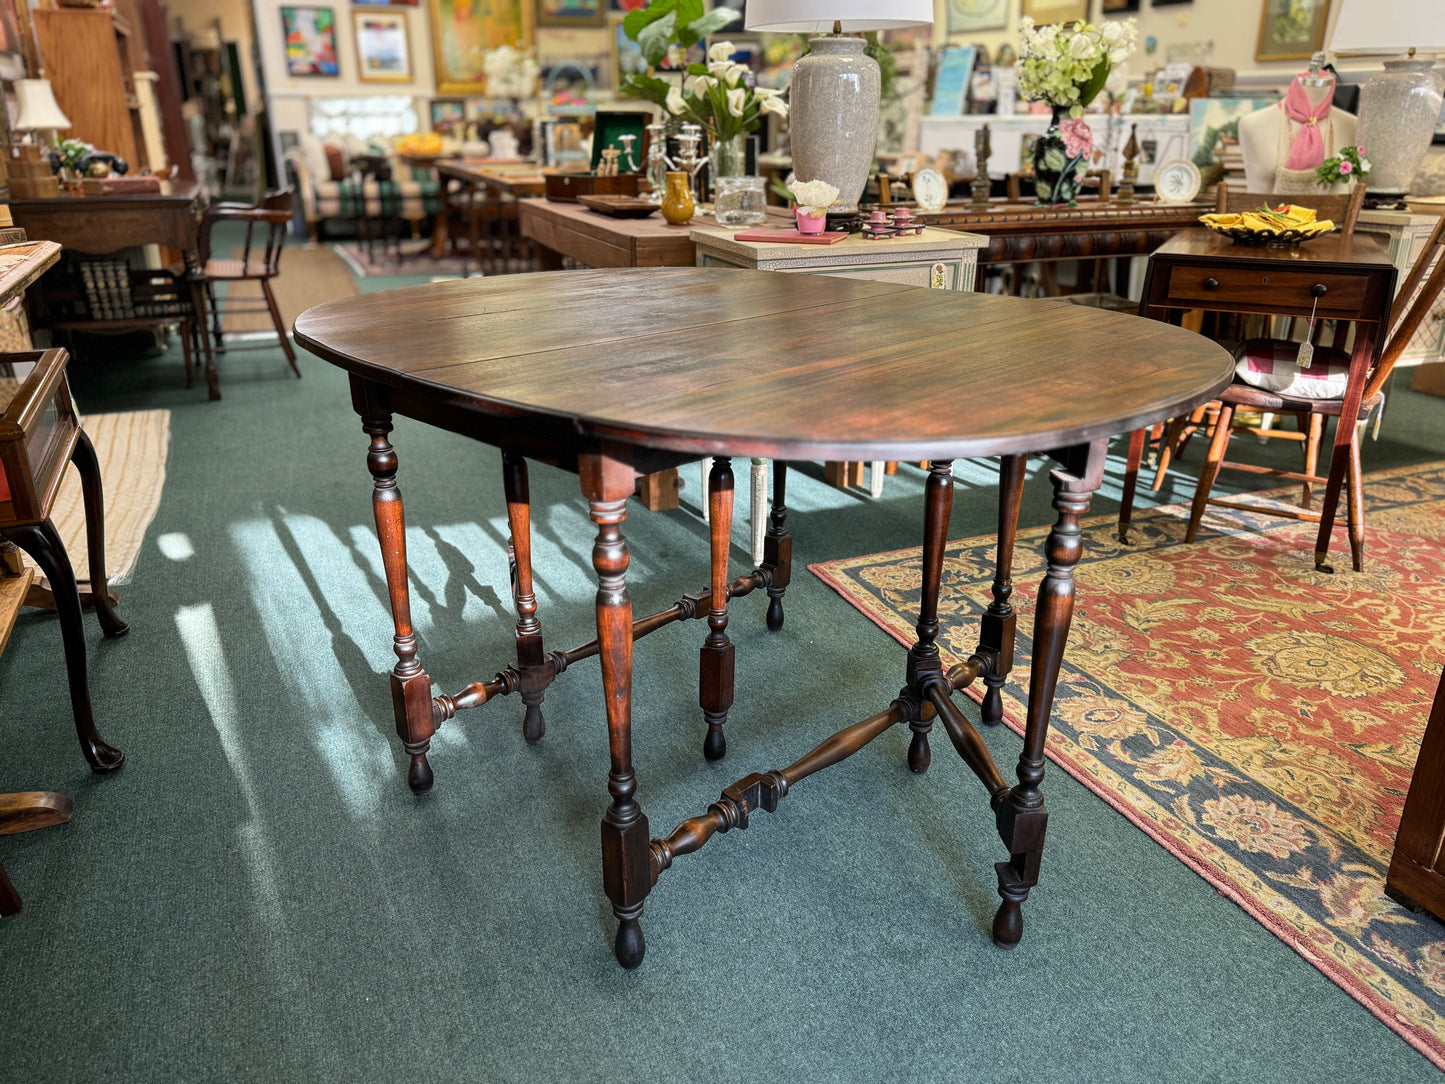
<point>1259,720</point>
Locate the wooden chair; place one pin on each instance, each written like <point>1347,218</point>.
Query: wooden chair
<point>1344,211</point>
<point>1421,290</point>
<point>259,261</point>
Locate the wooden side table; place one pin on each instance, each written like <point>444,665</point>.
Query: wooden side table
<point>39,434</point>
<point>937,259</point>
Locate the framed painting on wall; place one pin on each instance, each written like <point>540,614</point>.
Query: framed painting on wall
<point>383,52</point>
<point>571,12</point>
<point>463,31</point>
<point>1055,11</point>
<point>1118,7</point>
<point>310,35</point>
<point>448,115</point>
<point>969,15</point>
<point>626,53</point>
<point>1291,29</point>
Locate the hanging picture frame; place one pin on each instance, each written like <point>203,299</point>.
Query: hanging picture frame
<point>383,50</point>
<point>309,34</point>
<point>1291,29</point>
<point>462,33</point>
<point>1118,7</point>
<point>571,12</point>
<point>966,16</point>
<point>1055,11</point>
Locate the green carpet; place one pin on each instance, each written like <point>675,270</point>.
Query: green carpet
<point>257,894</point>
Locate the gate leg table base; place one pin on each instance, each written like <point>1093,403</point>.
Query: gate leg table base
<point>651,390</point>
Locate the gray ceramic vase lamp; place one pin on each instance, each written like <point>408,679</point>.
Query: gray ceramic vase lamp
<point>1400,106</point>
<point>833,100</point>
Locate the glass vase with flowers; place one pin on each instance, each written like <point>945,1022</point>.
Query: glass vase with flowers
<point>717,94</point>
<point>1066,65</point>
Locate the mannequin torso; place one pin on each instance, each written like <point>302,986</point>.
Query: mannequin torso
<point>1265,136</point>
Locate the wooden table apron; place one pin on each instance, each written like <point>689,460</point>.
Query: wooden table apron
<point>101,225</point>
<point>612,374</point>
<point>1332,278</point>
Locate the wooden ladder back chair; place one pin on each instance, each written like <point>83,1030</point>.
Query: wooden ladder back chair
<point>259,261</point>
<point>1422,287</point>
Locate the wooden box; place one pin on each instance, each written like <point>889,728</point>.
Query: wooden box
<point>566,187</point>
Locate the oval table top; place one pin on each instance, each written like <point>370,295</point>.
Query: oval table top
<point>761,363</point>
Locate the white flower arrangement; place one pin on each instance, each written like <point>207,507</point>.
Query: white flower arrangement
<point>715,95</point>
<point>510,73</point>
<point>812,197</point>
<point>1066,65</point>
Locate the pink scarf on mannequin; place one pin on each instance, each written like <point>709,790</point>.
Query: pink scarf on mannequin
<point>1307,149</point>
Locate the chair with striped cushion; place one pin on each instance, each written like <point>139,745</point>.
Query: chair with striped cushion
<point>1268,379</point>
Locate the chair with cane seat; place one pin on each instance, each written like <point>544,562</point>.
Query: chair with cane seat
<point>259,261</point>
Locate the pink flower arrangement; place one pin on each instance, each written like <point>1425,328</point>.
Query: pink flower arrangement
<point>1347,167</point>
<point>1078,139</point>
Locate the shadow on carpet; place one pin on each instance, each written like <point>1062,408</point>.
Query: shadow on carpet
<point>1259,720</point>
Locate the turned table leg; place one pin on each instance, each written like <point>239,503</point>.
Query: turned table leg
<point>626,856</point>
<point>716,663</point>
<point>778,547</point>
<point>88,467</point>
<point>529,628</point>
<point>996,633</point>
<point>923,656</point>
<point>411,698</point>
<point>1022,818</point>
<point>43,543</point>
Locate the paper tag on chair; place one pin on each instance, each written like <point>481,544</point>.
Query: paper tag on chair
<point>1306,354</point>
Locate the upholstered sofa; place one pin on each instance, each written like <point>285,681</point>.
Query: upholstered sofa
<point>329,197</point>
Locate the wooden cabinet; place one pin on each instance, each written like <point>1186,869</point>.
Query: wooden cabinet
<point>88,55</point>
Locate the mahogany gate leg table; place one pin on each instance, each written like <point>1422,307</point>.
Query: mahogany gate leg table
<point>612,374</point>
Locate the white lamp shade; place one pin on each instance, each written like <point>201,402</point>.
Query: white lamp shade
<point>818,16</point>
<point>36,108</point>
<point>1371,27</point>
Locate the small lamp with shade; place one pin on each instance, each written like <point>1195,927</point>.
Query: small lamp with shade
<point>834,98</point>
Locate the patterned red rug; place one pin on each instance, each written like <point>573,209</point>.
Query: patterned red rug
<point>1259,720</point>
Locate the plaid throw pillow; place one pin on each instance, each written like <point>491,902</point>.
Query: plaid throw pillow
<point>1270,364</point>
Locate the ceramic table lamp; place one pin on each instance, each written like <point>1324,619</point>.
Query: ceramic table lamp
<point>36,109</point>
<point>833,103</point>
<point>1399,107</point>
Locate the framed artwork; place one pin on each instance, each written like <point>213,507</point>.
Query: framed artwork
<point>385,3</point>
<point>571,12</point>
<point>310,35</point>
<point>1118,7</point>
<point>1056,11</point>
<point>462,31</point>
<point>969,15</point>
<point>1211,118</point>
<point>1291,29</point>
<point>626,53</point>
<point>950,84</point>
<point>383,52</point>
<point>448,115</point>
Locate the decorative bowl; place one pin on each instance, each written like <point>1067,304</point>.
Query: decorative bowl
<point>1242,235</point>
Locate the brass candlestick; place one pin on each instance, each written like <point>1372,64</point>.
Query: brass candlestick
<point>1130,172</point>
<point>982,186</point>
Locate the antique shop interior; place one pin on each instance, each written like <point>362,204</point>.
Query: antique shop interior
<point>432,429</point>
